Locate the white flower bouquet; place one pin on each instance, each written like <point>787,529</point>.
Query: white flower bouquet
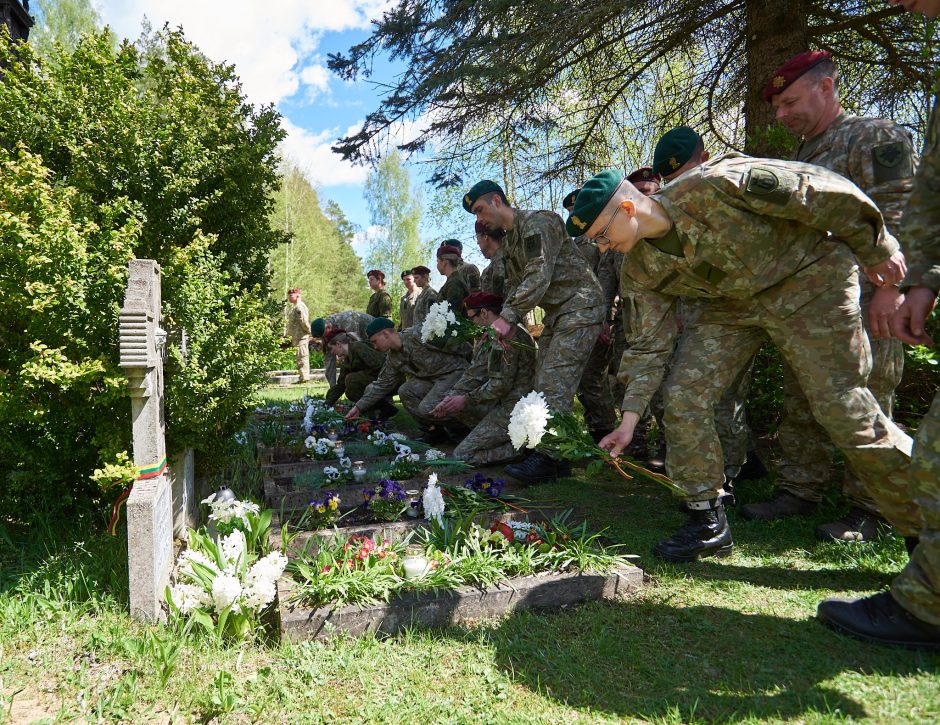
<point>443,324</point>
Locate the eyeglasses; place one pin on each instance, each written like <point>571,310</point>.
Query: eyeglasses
<point>602,237</point>
<point>472,314</point>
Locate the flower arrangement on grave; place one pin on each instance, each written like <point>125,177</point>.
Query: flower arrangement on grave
<point>485,485</point>
<point>562,435</point>
<point>225,583</point>
<point>322,510</point>
<point>387,501</point>
<point>385,443</point>
<point>320,449</point>
<point>432,454</point>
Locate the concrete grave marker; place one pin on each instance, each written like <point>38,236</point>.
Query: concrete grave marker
<point>150,505</point>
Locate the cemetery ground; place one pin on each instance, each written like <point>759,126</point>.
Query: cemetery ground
<point>719,640</point>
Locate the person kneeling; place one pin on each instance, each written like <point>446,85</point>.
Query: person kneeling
<point>484,396</point>
<point>361,365</point>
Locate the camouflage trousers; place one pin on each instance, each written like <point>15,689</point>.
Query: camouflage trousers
<point>730,413</point>
<point>806,457</point>
<point>420,396</point>
<point>594,390</point>
<point>619,333</point>
<point>303,359</point>
<point>356,384</point>
<point>488,442</point>
<point>564,348</point>
<point>826,345</point>
<point>917,587</point>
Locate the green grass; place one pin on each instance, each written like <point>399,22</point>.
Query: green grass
<point>732,640</point>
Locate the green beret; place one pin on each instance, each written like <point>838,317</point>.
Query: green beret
<point>379,324</point>
<point>479,189</point>
<point>674,149</point>
<point>569,199</point>
<point>591,200</point>
<point>318,327</point>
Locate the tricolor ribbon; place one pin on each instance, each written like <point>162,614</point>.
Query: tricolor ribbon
<point>145,473</point>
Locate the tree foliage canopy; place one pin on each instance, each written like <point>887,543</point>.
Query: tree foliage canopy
<point>573,84</point>
<point>108,154</point>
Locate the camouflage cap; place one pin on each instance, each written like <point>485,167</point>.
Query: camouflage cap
<point>318,327</point>
<point>591,200</point>
<point>791,70</point>
<point>674,148</point>
<point>568,201</point>
<point>479,189</point>
<point>379,324</point>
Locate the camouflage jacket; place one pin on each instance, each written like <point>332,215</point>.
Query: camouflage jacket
<point>414,360</point>
<point>921,228</point>
<point>380,304</point>
<point>454,290</point>
<point>298,322</point>
<point>497,375</point>
<point>743,229</point>
<point>470,276</point>
<point>875,154</point>
<point>406,309</point>
<point>351,321</point>
<point>427,296</point>
<point>493,278</point>
<point>544,269</point>
<point>604,265</point>
<point>362,357</point>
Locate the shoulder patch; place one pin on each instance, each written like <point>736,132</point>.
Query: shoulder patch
<point>891,161</point>
<point>496,359</point>
<point>770,184</point>
<point>533,246</point>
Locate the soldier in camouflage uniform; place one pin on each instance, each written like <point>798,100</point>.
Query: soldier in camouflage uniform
<point>594,388</point>
<point>361,364</point>
<point>406,306</point>
<point>427,295</point>
<point>544,269</point>
<point>878,156</point>
<point>469,273</point>
<point>355,324</point>
<point>483,398</point>
<point>454,288</point>
<point>380,303</point>
<point>490,242</point>
<point>909,614</point>
<point>715,233</point>
<point>298,329</point>
<point>421,374</point>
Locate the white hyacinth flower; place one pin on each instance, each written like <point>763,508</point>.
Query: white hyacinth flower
<point>433,500</point>
<point>226,589</point>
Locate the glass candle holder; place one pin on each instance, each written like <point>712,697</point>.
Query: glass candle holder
<point>359,471</point>
<point>332,434</point>
<point>339,449</point>
<point>414,502</point>
<point>414,562</point>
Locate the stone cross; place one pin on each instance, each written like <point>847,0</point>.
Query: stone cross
<point>149,506</point>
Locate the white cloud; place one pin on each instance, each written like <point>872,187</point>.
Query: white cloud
<point>363,239</point>
<point>267,42</point>
<point>312,154</point>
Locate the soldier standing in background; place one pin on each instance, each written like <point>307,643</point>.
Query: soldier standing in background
<point>878,156</point>
<point>427,295</point>
<point>909,614</point>
<point>298,329</point>
<point>406,306</point>
<point>380,303</point>
<point>490,242</point>
<point>544,269</point>
<point>469,273</point>
<point>449,264</point>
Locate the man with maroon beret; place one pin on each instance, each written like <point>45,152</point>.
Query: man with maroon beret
<point>878,156</point>
<point>298,329</point>
<point>406,305</point>
<point>427,295</point>
<point>380,303</point>
<point>644,179</point>
<point>484,396</point>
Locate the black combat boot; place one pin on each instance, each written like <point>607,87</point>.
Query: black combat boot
<point>434,435</point>
<point>753,468</point>
<point>705,533</point>
<point>880,619</point>
<point>539,467</point>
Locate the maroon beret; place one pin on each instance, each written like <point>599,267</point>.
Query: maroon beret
<point>328,337</point>
<point>793,69</point>
<point>479,300</point>
<point>420,269</point>
<point>378,273</point>
<point>481,228</point>
<point>447,249</point>
<point>294,291</point>
<point>644,173</point>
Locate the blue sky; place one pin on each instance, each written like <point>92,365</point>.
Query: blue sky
<point>279,49</point>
